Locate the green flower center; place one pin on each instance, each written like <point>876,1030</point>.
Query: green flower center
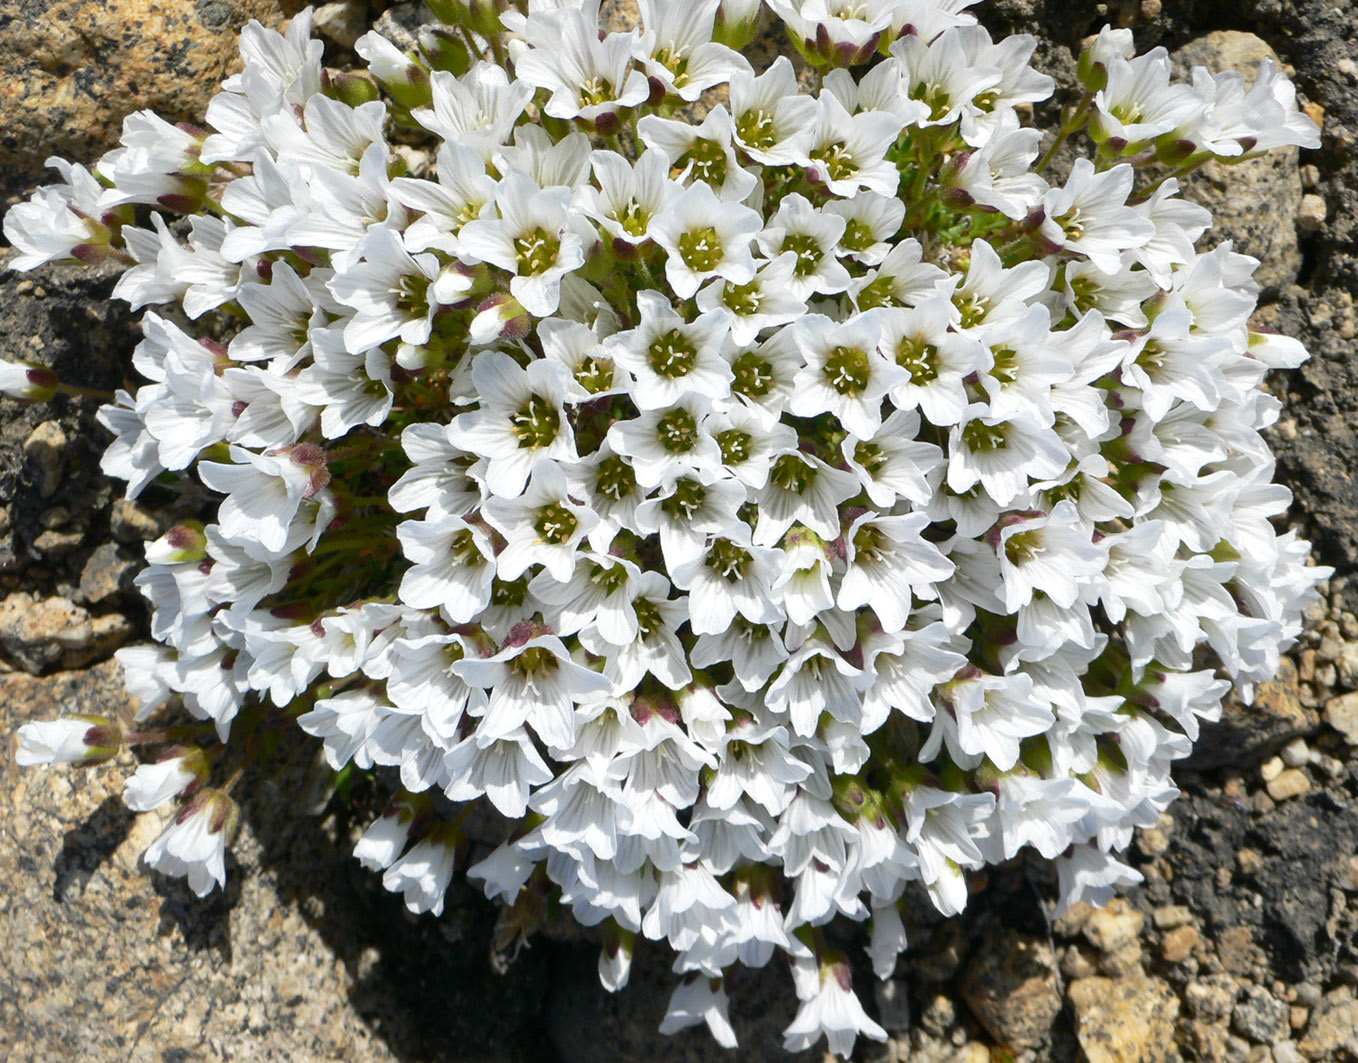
<point>615,478</point>
<point>1006,366</point>
<point>847,370</point>
<point>671,354</point>
<point>536,422</point>
<point>536,251</point>
<point>689,496</point>
<point>753,375</point>
<point>555,523</point>
<point>729,560</point>
<point>743,299</point>
<point>857,236</point>
<point>793,474</point>
<point>809,253</point>
<point>984,438</point>
<point>677,431</point>
<point>918,359</point>
<point>755,129</point>
<point>839,161</point>
<point>701,249</point>
<point>1023,546</point>
<point>735,446</point>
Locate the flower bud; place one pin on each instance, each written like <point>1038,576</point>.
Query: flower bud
<point>615,957</point>
<point>737,23</point>
<point>30,383</point>
<point>181,769</point>
<point>352,89</point>
<point>501,317</point>
<point>183,543</point>
<point>444,50</point>
<point>80,740</point>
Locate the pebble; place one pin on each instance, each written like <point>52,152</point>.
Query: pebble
<point>1179,944</point>
<point>1348,665</point>
<point>1171,916</point>
<point>1311,213</point>
<point>45,448</point>
<point>1110,929</point>
<point>1286,1052</point>
<point>1271,768</point>
<point>1341,713</point>
<point>343,22</point>
<point>1296,754</point>
<point>130,522</point>
<point>1261,1017</point>
<point>1291,783</point>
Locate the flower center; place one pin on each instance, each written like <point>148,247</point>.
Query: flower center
<point>536,251</point>
<point>555,523</point>
<point>671,354</point>
<point>743,299</point>
<point>536,423</point>
<point>793,474</point>
<point>689,496</point>
<point>753,375</point>
<point>701,249</point>
<point>1006,366</point>
<point>839,161</point>
<point>809,253</point>
<point>755,129</point>
<point>729,560</point>
<point>847,370</point>
<point>677,431</point>
<point>982,437</point>
<point>735,446</point>
<point>918,358</point>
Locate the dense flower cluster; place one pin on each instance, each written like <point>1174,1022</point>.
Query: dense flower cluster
<point>763,499</point>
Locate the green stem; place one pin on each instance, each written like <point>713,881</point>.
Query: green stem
<point>1075,122</point>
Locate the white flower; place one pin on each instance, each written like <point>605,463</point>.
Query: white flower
<point>194,845</point>
<point>829,1007</point>
<point>151,785</point>
<point>845,373</point>
<point>704,237</point>
<point>521,424</point>
<point>886,561</point>
<point>588,77</point>
<point>773,120</point>
<point>542,526</point>
<point>535,239</point>
<point>678,47</point>
<point>669,356</point>
<point>698,999</point>
<point>423,873</point>
<point>68,740</point>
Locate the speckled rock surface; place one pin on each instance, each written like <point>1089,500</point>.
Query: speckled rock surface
<point>99,960</point>
<point>74,68</point>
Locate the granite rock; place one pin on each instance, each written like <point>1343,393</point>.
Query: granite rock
<point>1124,1020</point>
<point>75,68</point>
<point>1011,985</point>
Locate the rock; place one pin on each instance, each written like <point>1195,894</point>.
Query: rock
<point>66,92</point>
<point>1348,665</point>
<point>1291,783</point>
<point>1248,732</point>
<point>893,1004</point>
<point>108,572</point>
<point>1179,943</point>
<point>1210,999</point>
<point>1261,1016</point>
<point>1341,713</point>
<point>1124,1020</point>
<point>1255,203</point>
<point>343,22</point>
<point>1171,916</point>
<point>1333,1030</point>
<point>586,1024</point>
<point>1113,928</point>
<point>45,449</point>
<point>1311,213</point>
<point>401,23</point>
<point>1012,987</point>
<point>132,523</point>
<point>39,633</point>
<point>304,958</point>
